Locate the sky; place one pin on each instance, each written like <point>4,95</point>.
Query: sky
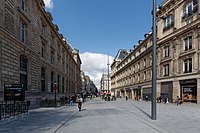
<point>99,28</point>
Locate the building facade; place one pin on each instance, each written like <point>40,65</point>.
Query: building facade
<point>34,53</point>
<point>178,59</point>
<point>105,84</point>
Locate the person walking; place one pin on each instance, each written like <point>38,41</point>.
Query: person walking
<point>80,100</point>
<point>177,100</point>
<point>126,98</point>
<point>146,98</point>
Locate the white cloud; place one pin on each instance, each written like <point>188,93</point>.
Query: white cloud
<point>49,4</point>
<point>94,65</point>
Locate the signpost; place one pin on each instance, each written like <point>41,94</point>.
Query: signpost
<point>14,92</point>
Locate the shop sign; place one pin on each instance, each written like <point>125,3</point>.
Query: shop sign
<point>189,81</point>
<point>187,89</point>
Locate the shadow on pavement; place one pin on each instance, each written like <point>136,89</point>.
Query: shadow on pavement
<point>142,111</point>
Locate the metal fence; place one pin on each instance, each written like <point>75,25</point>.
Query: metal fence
<point>8,109</point>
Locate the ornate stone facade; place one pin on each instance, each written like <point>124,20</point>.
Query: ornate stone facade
<point>178,59</point>
<point>32,52</point>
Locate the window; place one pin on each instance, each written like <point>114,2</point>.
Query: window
<point>166,70</point>
<point>23,71</point>
<point>52,84</point>
<point>138,77</point>
<point>168,22</point>
<point>133,69</point>
<point>22,31</point>
<point>138,65</point>
<point>52,40</point>
<point>166,51</point>
<point>43,28</point>
<point>52,56</point>
<point>42,79</point>
<point>145,47</point>
<point>190,8</point>
<point>187,65</point>
<point>188,43</point>
<point>43,49</point>
<point>144,75</point>
<point>144,63</point>
<point>22,4</point>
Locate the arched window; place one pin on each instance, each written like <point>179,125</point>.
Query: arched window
<point>24,71</point>
<point>42,79</point>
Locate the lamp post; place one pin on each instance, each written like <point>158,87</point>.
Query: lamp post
<point>55,88</point>
<point>108,78</point>
<point>153,102</point>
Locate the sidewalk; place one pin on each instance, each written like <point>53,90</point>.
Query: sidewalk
<point>170,117</point>
<point>41,120</point>
<point>119,116</point>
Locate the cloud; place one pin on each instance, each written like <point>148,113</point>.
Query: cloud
<point>49,4</point>
<point>94,65</point>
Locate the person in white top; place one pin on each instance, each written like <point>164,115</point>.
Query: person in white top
<point>80,100</point>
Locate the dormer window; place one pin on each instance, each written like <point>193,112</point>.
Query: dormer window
<point>190,8</point>
<point>168,22</point>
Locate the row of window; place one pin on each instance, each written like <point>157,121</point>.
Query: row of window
<point>187,68</point>
<point>188,10</point>
<point>24,76</point>
<point>187,45</point>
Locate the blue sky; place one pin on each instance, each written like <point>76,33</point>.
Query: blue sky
<point>101,27</point>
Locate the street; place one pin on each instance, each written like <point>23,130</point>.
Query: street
<point>98,116</point>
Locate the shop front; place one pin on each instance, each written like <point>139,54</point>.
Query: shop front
<point>167,91</point>
<point>128,93</point>
<point>137,93</point>
<point>122,94</point>
<point>146,93</point>
<point>189,90</point>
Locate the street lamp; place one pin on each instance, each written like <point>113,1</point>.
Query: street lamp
<point>108,78</point>
<point>153,101</point>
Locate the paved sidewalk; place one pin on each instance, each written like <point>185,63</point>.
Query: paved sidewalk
<point>119,116</point>
<point>170,117</point>
<point>41,120</point>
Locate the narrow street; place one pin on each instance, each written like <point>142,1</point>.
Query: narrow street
<point>108,117</point>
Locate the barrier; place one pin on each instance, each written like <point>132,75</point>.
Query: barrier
<point>8,109</point>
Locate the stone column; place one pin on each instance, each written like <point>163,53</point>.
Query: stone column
<point>133,95</point>
<point>198,90</point>
<point>120,93</point>
<point>176,89</point>
<point>125,92</point>
<point>158,89</point>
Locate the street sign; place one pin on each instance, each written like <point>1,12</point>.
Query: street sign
<point>14,92</point>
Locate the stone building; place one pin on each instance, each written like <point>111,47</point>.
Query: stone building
<point>34,53</point>
<point>178,59</point>
<point>105,84</point>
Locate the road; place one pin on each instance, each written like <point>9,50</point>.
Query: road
<point>108,117</point>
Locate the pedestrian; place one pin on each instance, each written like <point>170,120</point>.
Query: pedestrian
<point>126,98</point>
<point>177,100</point>
<point>146,98</point>
<point>160,99</point>
<point>166,100</point>
<point>80,100</point>
<point>71,101</point>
